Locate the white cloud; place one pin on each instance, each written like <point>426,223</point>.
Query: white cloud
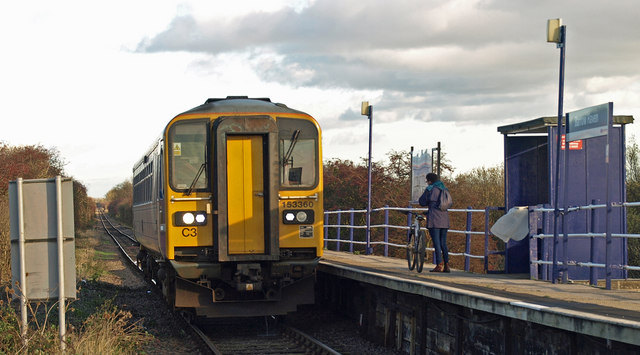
<point>100,80</point>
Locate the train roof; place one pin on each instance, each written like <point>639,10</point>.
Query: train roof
<point>242,104</point>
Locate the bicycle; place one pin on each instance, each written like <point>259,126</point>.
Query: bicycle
<point>416,244</point>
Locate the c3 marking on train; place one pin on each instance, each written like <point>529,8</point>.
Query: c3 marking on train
<point>189,232</point>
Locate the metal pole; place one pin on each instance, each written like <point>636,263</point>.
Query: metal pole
<point>545,245</point>
<point>351,223</point>
<point>565,205</point>
<point>23,271</point>
<point>338,230</point>
<point>326,230</point>
<point>467,247</point>
<point>593,272</point>
<point>486,239</point>
<point>439,157</point>
<point>411,176</point>
<point>562,46</point>
<point>609,241</point>
<point>386,230</point>
<point>61,295</point>
<point>369,251</point>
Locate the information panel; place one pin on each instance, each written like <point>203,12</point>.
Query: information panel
<point>34,210</point>
<point>589,122</point>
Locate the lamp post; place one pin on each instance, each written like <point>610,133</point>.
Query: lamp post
<point>556,33</point>
<point>367,110</point>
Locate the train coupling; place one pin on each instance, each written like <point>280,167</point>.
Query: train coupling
<point>248,277</point>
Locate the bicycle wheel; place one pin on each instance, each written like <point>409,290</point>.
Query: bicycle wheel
<point>411,259</point>
<point>422,248</point>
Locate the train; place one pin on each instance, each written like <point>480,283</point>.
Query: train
<point>228,208</point>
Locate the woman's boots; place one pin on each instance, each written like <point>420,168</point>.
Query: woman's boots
<point>442,267</point>
<point>438,268</point>
<point>446,268</point>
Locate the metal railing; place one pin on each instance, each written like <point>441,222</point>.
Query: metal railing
<point>339,225</point>
<point>344,221</point>
<point>539,258</point>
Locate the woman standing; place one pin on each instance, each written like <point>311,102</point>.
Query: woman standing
<point>437,221</point>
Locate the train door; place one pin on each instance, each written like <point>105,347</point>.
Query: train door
<point>245,191</point>
<point>246,188</point>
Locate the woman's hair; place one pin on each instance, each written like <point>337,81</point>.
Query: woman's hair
<point>432,177</point>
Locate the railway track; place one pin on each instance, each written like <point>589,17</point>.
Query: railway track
<point>234,336</point>
<point>254,336</point>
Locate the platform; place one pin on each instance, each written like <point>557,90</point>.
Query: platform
<point>609,314</point>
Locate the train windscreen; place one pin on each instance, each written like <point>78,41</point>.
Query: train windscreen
<point>187,155</point>
<point>298,146</point>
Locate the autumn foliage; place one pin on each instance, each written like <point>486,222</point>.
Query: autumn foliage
<point>119,201</point>
<point>33,162</point>
<point>345,188</point>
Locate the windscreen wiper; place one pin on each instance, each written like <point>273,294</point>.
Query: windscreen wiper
<point>195,180</point>
<point>294,140</point>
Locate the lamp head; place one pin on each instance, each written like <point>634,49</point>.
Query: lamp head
<point>553,30</point>
<point>365,109</point>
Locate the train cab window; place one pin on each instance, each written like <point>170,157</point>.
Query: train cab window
<point>187,155</point>
<point>298,149</point>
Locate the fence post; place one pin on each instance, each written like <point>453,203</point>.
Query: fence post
<point>467,246</point>
<point>608,245</point>
<point>338,230</point>
<point>534,220</point>
<point>544,244</point>
<point>386,230</point>
<point>351,221</point>
<point>326,229</point>
<point>593,271</point>
<point>409,215</point>
<point>486,239</point>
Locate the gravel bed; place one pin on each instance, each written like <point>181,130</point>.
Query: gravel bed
<point>130,292</point>
<point>338,332</point>
<point>126,289</point>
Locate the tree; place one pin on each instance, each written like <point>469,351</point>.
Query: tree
<point>119,202</point>
<point>84,207</point>
<point>33,162</point>
<point>345,187</point>
<point>633,213</point>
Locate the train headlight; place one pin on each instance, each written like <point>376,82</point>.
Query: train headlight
<point>297,216</point>
<point>301,216</point>
<point>190,218</point>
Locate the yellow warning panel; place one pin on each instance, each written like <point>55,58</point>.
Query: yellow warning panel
<point>245,194</point>
<point>177,149</point>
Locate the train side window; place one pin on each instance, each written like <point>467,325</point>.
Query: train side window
<point>187,155</point>
<point>298,151</point>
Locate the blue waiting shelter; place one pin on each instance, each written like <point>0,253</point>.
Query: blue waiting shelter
<point>530,154</point>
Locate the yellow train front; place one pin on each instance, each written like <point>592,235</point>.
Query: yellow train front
<point>228,208</point>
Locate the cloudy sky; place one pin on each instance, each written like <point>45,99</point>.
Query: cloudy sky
<point>100,80</point>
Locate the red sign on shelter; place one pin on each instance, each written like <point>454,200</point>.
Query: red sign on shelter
<point>575,145</point>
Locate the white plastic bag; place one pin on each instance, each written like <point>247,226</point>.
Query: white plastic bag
<point>513,225</point>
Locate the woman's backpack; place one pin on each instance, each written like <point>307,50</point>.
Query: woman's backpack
<point>445,201</point>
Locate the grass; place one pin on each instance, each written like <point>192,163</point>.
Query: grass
<point>94,324</point>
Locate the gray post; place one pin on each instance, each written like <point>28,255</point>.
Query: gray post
<point>61,295</point>
<point>23,272</point>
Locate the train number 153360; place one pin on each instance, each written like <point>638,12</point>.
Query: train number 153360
<point>297,204</point>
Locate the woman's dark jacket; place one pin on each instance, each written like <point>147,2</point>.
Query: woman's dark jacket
<point>429,198</point>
